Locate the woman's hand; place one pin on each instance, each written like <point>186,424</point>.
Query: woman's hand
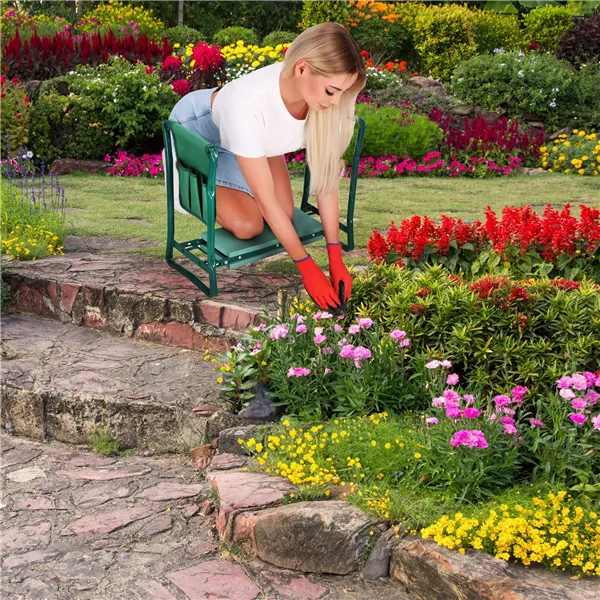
<point>338,270</point>
<point>317,285</point>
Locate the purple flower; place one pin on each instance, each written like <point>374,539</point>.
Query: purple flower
<point>366,323</point>
<point>398,334</point>
<point>592,397</point>
<point>337,328</point>
<point>342,342</point>
<point>431,420</point>
<point>301,328</point>
<point>507,420</point>
<point>451,396</point>
<point>469,399</point>
<point>322,315</point>
<point>578,403</point>
<point>433,364</point>
<point>446,364</point>
<point>361,353</point>
<point>438,402</point>
<point>353,329</point>
<point>517,393</point>
<point>536,423</point>
<point>472,413</point>
<point>404,343</point>
<point>453,412</point>
<point>298,372</point>
<point>261,327</point>
<point>319,339</point>
<point>452,379</point>
<point>347,351</point>
<point>510,429</point>
<point>578,418</point>
<point>473,438</point>
<point>279,331</point>
<point>596,421</point>
<point>502,400</point>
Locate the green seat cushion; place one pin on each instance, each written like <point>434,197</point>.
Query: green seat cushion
<point>226,243</point>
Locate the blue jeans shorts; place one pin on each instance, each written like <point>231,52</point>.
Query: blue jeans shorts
<point>194,113</point>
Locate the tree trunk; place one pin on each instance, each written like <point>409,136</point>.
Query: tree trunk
<point>180,14</point>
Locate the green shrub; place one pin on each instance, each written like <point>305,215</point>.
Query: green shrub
<point>383,40</point>
<point>183,36</point>
<point>545,26</point>
<point>16,115</point>
<point>279,37</point>
<point>583,102</point>
<point>231,35</point>
<point>483,337</point>
<point>388,132</point>
<point>495,30</point>
<point>315,12</point>
<point>115,105</point>
<point>534,83</point>
<point>445,35</point>
<point>381,80</point>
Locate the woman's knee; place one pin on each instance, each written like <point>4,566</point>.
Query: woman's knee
<point>248,228</point>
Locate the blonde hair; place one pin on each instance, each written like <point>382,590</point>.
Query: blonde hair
<point>329,50</point>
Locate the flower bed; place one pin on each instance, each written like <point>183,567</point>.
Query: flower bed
<point>521,243</point>
<point>578,153</point>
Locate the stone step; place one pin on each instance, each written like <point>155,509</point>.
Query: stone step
<point>62,382</point>
<point>143,298</point>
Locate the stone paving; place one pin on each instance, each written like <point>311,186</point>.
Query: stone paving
<point>76,525</point>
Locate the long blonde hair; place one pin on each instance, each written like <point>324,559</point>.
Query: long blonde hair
<point>329,50</point>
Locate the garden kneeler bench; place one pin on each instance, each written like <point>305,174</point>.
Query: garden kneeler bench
<point>197,166</point>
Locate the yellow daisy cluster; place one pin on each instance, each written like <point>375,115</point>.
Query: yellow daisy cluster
<point>578,153</point>
<point>345,456</point>
<point>242,59</point>
<point>554,532</point>
<point>28,242</point>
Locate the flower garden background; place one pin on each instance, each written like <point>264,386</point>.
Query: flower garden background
<point>466,370</point>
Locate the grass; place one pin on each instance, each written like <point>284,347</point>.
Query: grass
<point>134,208</point>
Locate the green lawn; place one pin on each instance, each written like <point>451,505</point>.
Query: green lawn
<point>134,209</point>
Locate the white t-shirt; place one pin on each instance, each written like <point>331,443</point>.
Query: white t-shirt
<point>252,118</point>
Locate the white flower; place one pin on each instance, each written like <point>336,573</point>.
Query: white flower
<point>502,64</point>
<point>553,104</point>
<point>29,154</point>
<point>520,74</point>
<point>71,72</point>
<point>115,100</point>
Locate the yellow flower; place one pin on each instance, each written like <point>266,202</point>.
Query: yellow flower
<point>373,443</point>
<point>176,45</point>
<point>417,455</point>
<point>220,380</point>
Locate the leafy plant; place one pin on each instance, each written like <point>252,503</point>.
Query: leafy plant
<point>231,35</point>
<point>546,25</point>
<point>183,36</point>
<point>275,38</point>
<point>103,442</point>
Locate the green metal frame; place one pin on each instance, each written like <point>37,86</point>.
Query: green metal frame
<point>197,167</point>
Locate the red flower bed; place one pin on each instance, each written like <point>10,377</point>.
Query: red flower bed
<point>47,57</point>
<point>554,243</point>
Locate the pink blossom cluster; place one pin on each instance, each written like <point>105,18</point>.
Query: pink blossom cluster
<point>473,438</point>
<point>572,388</point>
<point>128,165</point>
<point>298,372</point>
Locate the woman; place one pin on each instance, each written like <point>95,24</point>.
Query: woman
<point>307,101</point>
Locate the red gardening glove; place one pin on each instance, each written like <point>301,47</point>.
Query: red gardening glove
<point>317,285</point>
<point>338,271</point>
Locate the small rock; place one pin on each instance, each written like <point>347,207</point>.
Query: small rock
<point>155,525</point>
<point>201,456</point>
<point>106,474</point>
<point>36,589</point>
<point>170,491</point>
<point>378,563</point>
<point>215,579</point>
<point>200,548</point>
<point>26,536</point>
<point>261,409</point>
<point>228,439</point>
<point>94,495</point>
<point>83,568</point>
<point>189,510</point>
<point>26,474</point>
<point>22,454</point>
<point>219,421</point>
<point>33,502</point>
<point>153,589</point>
<point>208,507</point>
<point>224,462</point>
<point>108,522</point>
<point>292,586</point>
<point>34,557</point>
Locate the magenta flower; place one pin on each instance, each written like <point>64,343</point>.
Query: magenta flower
<point>596,421</point>
<point>453,412</point>
<point>564,382</point>
<point>451,396</point>
<point>472,413</point>
<point>578,418</point>
<point>319,339</point>
<point>347,351</point>
<point>469,399</point>
<point>579,382</point>
<point>404,343</point>
<point>366,323</point>
<point>592,397</point>
<point>337,328</point>
<point>301,328</point>
<point>446,364</point>
<point>431,420</point>
<point>361,353</point>
<point>578,403</point>
<point>398,334</point>
<point>452,379</point>
<point>298,372</point>
<point>473,438</point>
<point>502,400</point>
<point>536,423</point>
<point>510,429</point>
<point>322,315</point>
<point>327,370</point>
<point>327,351</point>
<point>433,364</point>
<point>261,327</point>
<point>438,402</point>
<point>567,393</point>
<point>353,329</point>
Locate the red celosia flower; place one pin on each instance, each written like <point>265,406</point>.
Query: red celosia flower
<point>423,292</point>
<point>150,70</point>
<point>565,284</point>
<point>181,86</point>
<point>15,80</point>
<point>207,57</point>
<point>171,62</point>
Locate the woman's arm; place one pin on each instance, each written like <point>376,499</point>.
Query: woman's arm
<point>329,211</point>
<point>258,175</point>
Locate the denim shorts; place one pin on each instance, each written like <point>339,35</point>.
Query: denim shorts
<point>194,113</point>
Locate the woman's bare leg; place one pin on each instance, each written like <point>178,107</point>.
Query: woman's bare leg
<point>238,212</point>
